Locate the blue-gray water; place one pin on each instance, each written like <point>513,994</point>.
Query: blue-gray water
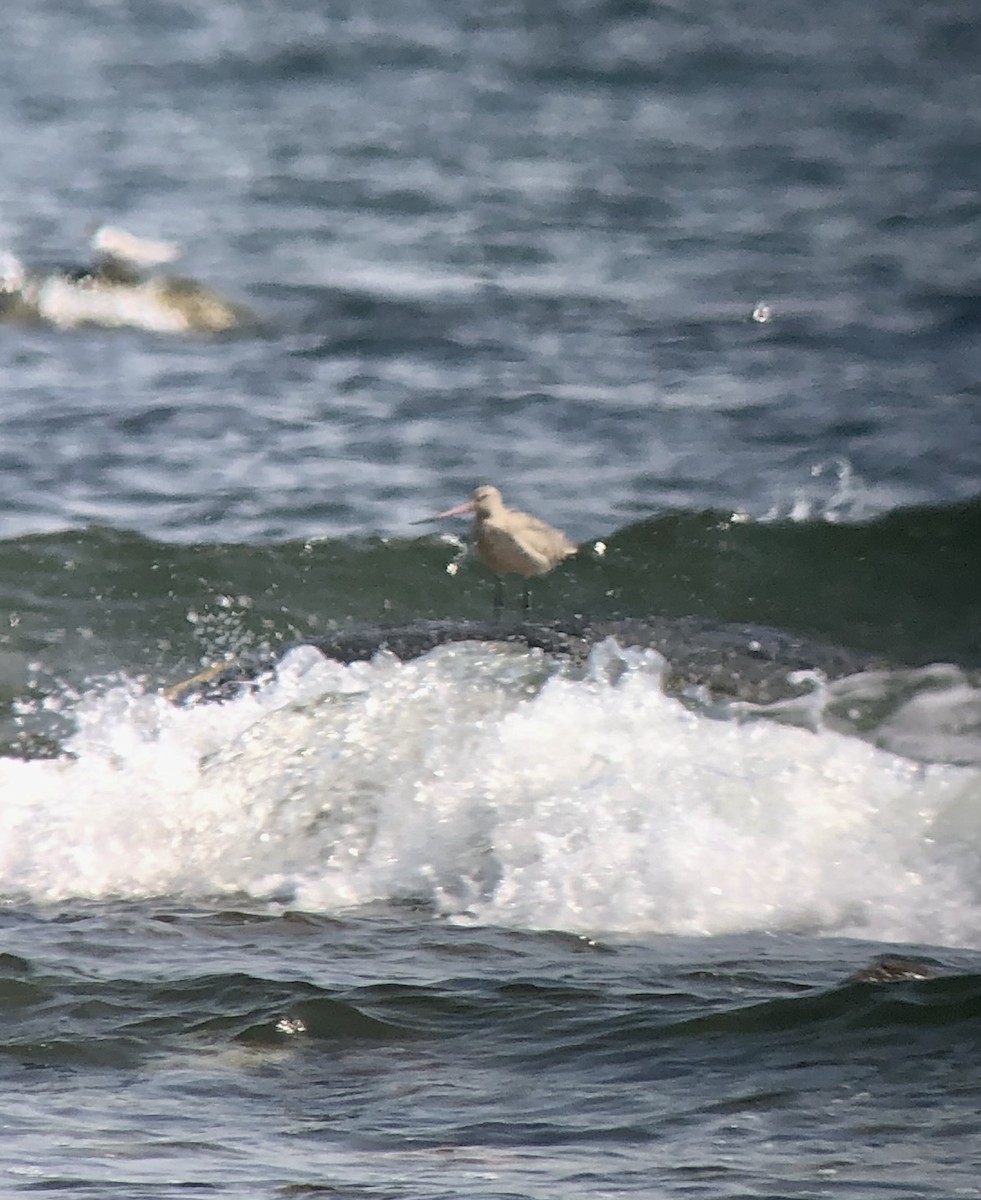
<point>700,284</point>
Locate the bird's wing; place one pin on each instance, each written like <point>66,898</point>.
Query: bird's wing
<point>544,538</point>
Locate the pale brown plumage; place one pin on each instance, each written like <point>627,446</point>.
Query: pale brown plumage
<point>511,542</point>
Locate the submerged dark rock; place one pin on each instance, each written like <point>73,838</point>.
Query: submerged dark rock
<point>737,662</point>
<point>162,304</point>
<point>891,968</point>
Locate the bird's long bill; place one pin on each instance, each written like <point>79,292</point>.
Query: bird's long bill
<point>465,507</point>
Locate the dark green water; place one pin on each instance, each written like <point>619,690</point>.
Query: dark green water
<point>905,586</point>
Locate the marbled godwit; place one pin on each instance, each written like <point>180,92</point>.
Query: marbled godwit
<point>510,542</point>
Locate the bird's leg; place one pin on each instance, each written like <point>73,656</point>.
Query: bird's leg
<point>525,599</point>
<point>498,597</point>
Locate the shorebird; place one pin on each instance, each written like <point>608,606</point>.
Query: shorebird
<point>510,542</point>
<point>120,256</point>
<point>116,243</point>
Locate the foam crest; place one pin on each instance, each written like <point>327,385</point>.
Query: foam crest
<point>701,826</point>
<point>65,304</point>
<point>501,789</point>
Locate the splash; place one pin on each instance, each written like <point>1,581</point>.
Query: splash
<point>499,788</point>
<point>834,492</point>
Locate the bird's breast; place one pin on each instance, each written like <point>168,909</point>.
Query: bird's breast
<point>509,554</point>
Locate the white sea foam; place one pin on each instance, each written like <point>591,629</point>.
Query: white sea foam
<point>503,791</point>
<point>66,304</point>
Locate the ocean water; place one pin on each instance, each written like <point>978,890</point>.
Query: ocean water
<point>699,284</point>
